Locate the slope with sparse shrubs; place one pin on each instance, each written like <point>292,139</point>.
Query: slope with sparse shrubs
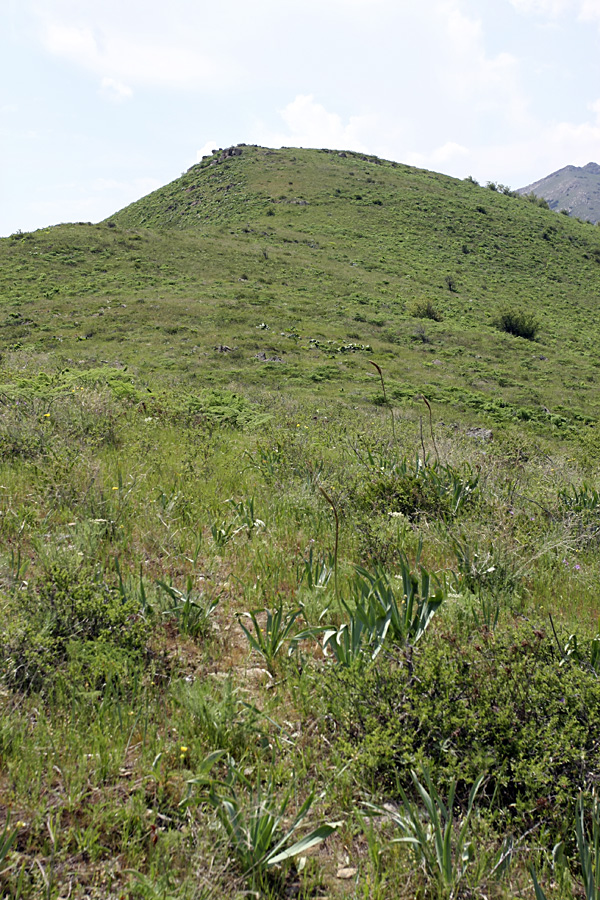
<point>293,604</point>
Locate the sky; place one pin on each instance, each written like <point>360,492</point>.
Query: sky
<point>102,101</point>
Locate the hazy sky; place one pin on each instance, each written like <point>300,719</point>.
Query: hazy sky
<point>101,101</point>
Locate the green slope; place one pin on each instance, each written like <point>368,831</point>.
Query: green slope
<point>309,264</point>
<point>199,474</point>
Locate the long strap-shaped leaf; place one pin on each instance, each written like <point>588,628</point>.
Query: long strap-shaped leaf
<point>315,837</point>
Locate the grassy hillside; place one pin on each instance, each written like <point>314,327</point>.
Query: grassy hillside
<point>299,539</point>
<point>318,248</point>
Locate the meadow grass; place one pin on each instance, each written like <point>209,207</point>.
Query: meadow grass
<point>194,438</point>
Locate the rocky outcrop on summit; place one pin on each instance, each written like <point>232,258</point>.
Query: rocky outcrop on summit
<point>574,190</point>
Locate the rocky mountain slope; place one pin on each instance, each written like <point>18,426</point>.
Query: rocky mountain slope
<point>574,190</point>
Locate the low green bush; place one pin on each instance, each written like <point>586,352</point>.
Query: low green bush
<point>420,308</point>
<point>415,488</point>
<point>518,322</point>
<point>72,624</point>
<point>504,704</point>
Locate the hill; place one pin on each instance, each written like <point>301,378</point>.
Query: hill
<point>310,263</point>
<point>299,528</point>
<point>574,190</point>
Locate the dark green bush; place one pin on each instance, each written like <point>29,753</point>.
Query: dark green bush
<point>518,322</point>
<point>500,704</point>
<point>73,622</point>
<point>421,308</point>
<point>403,492</point>
<point>415,488</point>
<point>432,491</point>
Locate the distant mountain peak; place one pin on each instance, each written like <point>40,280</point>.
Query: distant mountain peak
<point>572,189</point>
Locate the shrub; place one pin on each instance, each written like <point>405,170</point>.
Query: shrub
<point>450,283</point>
<point>400,492</point>
<point>518,322</point>
<point>506,704</point>
<point>424,309</point>
<point>415,487</point>
<point>76,625</point>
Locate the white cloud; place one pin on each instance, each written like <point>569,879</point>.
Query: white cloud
<point>585,10</point>
<point>206,150</point>
<point>450,158</point>
<point>449,152</point>
<point>486,83</point>
<point>120,56</point>
<point>590,9</point>
<point>544,7</point>
<point>137,187</point>
<point>114,90</point>
<point>595,108</point>
<point>310,124</point>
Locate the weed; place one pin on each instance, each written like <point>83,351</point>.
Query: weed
<point>337,538</point>
<point>408,611</point>
<point>588,847</point>
<point>244,514</point>
<point>191,610</point>
<point>268,641</point>
<point>8,837</point>
<point>437,844</point>
<point>254,821</point>
<point>582,499</point>
<point>316,570</point>
<point>385,400</point>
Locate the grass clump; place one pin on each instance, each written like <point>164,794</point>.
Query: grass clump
<point>416,487</point>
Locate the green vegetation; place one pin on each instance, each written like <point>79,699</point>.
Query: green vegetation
<point>298,595</point>
<point>519,323</point>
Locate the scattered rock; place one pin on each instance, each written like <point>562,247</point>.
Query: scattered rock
<point>346,873</point>
<point>223,348</point>
<point>480,434</point>
<point>264,358</point>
